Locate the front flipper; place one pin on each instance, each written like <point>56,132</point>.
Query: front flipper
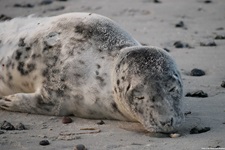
<point>30,103</point>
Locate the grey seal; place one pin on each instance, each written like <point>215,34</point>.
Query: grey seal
<point>86,65</point>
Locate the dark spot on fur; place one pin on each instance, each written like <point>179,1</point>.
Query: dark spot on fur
<point>35,56</point>
<point>18,55</point>
<point>101,80</point>
<point>118,82</point>
<point>128,87</point>
<point>123,78</point>
<point>77,75</point>
<point>31,67</point>
<point>28,48</point>
<point>81,62</point>
<point>21,42</point>
<point>48,106</point>
<point>96,72</point>
<point>55,71</point>
<point>115,89</point>
<point>118,66</point>
<point>102,57</point>
<point>79,97</point>
<point>98,66</point>
<point>153,99</point>
<point>45,72</point>
<point>10,77</point>
<point>114,106</point>
<point>100,50</point>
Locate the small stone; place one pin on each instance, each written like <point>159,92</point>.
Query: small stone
<point>101,122</point>
<point>179,44</point>
<point>7,126</point>
<point>20,126</point>
<point>144,44</point>
<point>180,25</point>
<point>157,1</point>
<point>45,2</point>
<point>4,17</point>
<point>44,142</point>
<point>207,1</point>
<point>199,93</point>
<point>80,147</point>
<point>24,5</point>
<point>66,120</point>
<point>57,8</point>
<point>197,72</point>
<point>175,135</point>
<point>210,43</point>
<point>219,37</point>
<point>220,28</point>
<point>223,84</point>
<point>197,130</point>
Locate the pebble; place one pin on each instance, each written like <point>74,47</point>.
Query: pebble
<point>20,126</point>
<point>45,2</point>
<point>80,147</point>
<point>223,84</point>
<point>219,37</point>
<point>44,142</point>
<point>7,126</point>
<point>199,93</point>
<point>57,8</point>
<point>66,120</point>
<point>101,122</point>
<point>180,25</point>
<point>210,43</point>
<point>197,72</point>
<point>207,1</point>
<point>175,135</point>
<point>24,5</point>
<point>197,130</point>
<point>157,1</point>
<point>4,17</point>
<point>179,44</point>
<point>220,28</point>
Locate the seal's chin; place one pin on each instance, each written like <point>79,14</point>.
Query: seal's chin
<point>157,129</point>
<point>162,128</point>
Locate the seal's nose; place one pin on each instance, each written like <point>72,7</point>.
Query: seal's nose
<point>168,123</point>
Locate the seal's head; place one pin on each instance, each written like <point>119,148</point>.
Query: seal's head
<point>148,88</point>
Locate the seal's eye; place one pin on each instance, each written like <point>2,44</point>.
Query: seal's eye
<point>140,98</point>
<point>172,89</point>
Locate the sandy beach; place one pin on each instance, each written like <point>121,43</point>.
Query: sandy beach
<point>193,31</point>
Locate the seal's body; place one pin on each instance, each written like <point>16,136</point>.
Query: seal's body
<point>86,65</point>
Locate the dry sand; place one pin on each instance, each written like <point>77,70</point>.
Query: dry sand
<point>152,24</point>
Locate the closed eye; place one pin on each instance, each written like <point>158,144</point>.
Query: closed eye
<point>172,89</point>
<point>140,98</point>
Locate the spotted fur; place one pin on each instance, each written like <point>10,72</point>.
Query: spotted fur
<point>86,65</point>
